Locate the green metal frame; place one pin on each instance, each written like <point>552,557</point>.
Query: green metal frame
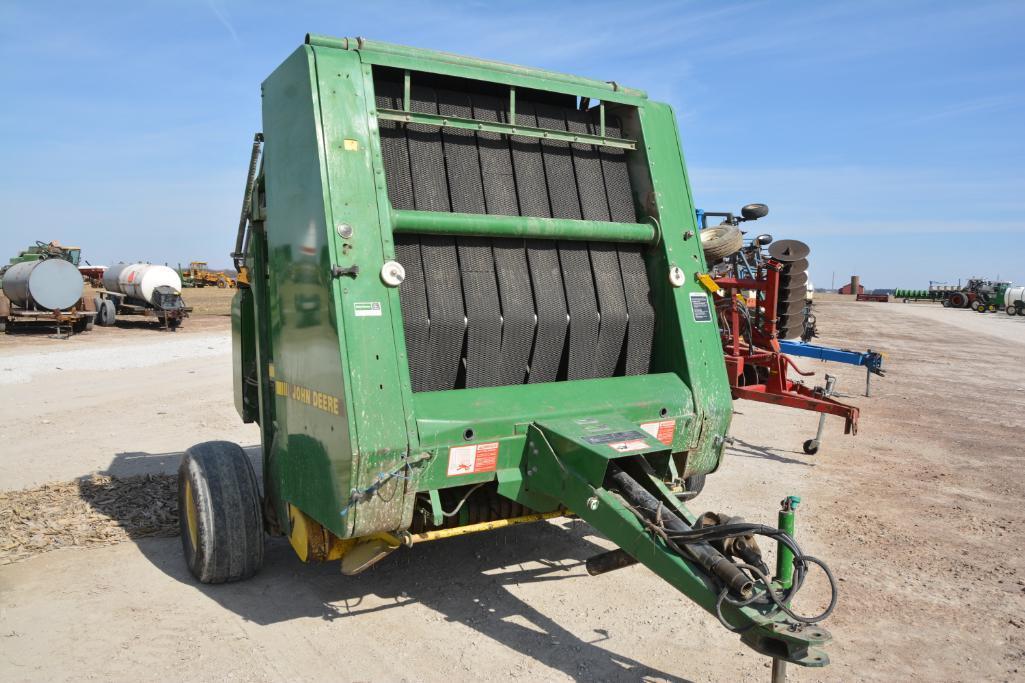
<point>345,439</point>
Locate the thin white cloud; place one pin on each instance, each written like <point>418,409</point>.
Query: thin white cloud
<point>222,17</point>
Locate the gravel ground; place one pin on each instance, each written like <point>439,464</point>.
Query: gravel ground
<point>918,515</point>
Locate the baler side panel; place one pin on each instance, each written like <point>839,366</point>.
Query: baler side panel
<point>684,345</point>
<point>309,455</point>
<point>363,305</point>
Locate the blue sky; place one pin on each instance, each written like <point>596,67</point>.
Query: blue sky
<point>888,135</point>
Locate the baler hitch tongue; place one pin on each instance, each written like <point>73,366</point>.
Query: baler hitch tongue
<point>623,497</point>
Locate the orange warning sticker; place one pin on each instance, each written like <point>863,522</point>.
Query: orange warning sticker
<point>664,430</point>
<point>482,457</point>
<point>628,446</point>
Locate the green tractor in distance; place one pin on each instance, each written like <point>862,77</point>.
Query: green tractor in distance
<point>45,250</point>
<point>473,298</point>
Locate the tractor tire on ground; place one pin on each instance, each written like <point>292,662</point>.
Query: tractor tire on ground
<point>958,300</point>
<point>222,284</point>
<point>219,513</point>
<point>720,242</point>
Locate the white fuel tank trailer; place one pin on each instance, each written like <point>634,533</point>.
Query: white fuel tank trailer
<point>143,282</point>
<point>51,284</point>
<point>1014,300</point>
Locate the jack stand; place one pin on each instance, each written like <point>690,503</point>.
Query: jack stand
<point>868,382</point>
<point>779,670</point>
<point>784,568</point>
<point>811,446</point>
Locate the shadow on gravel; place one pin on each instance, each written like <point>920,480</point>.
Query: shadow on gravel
<point>468,580</point>
<point>749,450</point>
<point>137,463</point>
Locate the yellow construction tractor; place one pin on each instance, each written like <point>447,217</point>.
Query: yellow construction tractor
<point>198,274</point>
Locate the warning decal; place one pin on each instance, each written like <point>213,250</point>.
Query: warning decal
<point>482,457</point>
<point>700,308</point>
<point>663,430</point>
<point>367,309</point>
<point>628,446</point>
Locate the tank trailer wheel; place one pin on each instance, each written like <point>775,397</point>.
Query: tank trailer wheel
<point>720,242</point>
<point>106,313</point>
<point>811,446</point>
<point>1010,310</point>
<point>219,513</point>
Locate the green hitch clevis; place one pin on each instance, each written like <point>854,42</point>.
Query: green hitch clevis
<point>784,556</point>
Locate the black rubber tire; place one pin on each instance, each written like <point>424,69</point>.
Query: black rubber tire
<point>810,447</point>
<point>946,303</point>
<point>694,485</point>
<point>97,304</point>
<point>3,327</point>
<point>979,307</point>
<point>106,313</point>
<point>226,510</point>
<point>721,241</point>
<point>222,284</point>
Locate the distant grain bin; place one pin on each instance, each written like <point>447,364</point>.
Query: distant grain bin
<point>853,287</point>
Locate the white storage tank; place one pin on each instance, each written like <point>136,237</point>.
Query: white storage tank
<point>139,281</point>
<point>1013,296</point>
<point>51,284</point>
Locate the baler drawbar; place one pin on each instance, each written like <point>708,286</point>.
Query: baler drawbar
<point>469,298</point>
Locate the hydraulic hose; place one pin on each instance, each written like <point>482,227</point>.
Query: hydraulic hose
<point>701,552</point>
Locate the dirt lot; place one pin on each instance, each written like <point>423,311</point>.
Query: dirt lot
<point>919,516</point>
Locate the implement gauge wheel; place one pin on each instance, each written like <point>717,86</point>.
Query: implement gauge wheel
<point>219,513</point>
<point>811,446</point>
<point>720,242</point>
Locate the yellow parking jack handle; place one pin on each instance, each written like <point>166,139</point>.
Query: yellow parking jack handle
<point>708,283</point>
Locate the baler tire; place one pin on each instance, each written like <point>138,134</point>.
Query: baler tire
<point>720,242</point>
<point>694,485</point>
<point>220,513</point>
